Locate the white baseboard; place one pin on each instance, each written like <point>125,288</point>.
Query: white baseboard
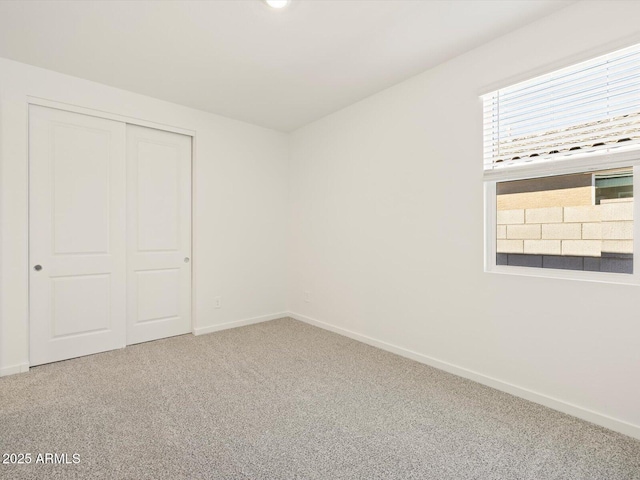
<point>13,369</point>
<point>551,402</point>
<point>239,323</point>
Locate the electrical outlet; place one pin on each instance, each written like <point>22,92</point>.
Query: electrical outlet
<point>217,302</point>
<point>307,296</point>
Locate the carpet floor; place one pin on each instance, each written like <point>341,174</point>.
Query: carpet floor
<point>284,400</point>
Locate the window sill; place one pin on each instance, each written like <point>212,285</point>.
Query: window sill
<point>579,275</point>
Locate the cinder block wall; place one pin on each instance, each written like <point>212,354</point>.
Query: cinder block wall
<point>564,197</point>
<point>574,230</point>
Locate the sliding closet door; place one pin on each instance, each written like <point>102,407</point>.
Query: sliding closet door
<point>77,238</point>
<point>158,234</point>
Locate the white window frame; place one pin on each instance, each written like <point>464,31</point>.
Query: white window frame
<point>555,168</point>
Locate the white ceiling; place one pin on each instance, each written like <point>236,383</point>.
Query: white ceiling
<point>277,68</point>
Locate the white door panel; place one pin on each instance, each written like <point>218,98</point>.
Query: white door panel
<point>77,234</point>
<point>158,234</point>
<point>158,193</point>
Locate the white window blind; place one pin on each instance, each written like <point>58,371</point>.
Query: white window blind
<point>584,109</point>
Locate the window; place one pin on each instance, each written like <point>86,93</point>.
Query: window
<point>560,154</point>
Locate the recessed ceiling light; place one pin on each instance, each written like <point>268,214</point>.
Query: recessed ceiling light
<point>277,3</point>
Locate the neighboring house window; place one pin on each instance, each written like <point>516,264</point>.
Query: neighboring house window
<point>560,154</point>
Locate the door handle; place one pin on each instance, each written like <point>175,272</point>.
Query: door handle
<point>37,268</point>
<point>186,259</point>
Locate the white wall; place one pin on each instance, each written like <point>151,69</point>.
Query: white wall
<point>240,203</point>
<point>367,234</point>
<point>380,189</point>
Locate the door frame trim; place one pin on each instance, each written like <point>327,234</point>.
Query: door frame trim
<point>43,102</point>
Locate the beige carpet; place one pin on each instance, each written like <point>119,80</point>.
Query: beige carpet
<point>284,400</point>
